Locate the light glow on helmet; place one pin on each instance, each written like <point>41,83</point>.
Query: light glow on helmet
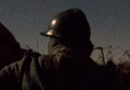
<point>50,32</point>
<point>53,22</point>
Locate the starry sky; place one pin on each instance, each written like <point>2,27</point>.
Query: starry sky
<point>109,20</point>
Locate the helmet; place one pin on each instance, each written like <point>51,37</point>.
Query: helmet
<point>70,25</point>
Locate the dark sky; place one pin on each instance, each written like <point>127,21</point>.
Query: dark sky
<point>109,20</point>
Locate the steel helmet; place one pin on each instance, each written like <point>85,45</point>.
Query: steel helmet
<point>70,25</point>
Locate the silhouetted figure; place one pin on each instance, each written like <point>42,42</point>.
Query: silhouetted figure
<point>10,50</point>
<point>67,66</point>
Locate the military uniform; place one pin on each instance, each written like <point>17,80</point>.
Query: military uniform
<point>37,73</point>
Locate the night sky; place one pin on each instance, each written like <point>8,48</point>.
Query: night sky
<point>109,20</point>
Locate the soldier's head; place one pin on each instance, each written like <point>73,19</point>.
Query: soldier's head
<point>71,29</point>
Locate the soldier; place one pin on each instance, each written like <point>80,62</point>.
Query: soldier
<point>10,50</point>
<point>68,65</point>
